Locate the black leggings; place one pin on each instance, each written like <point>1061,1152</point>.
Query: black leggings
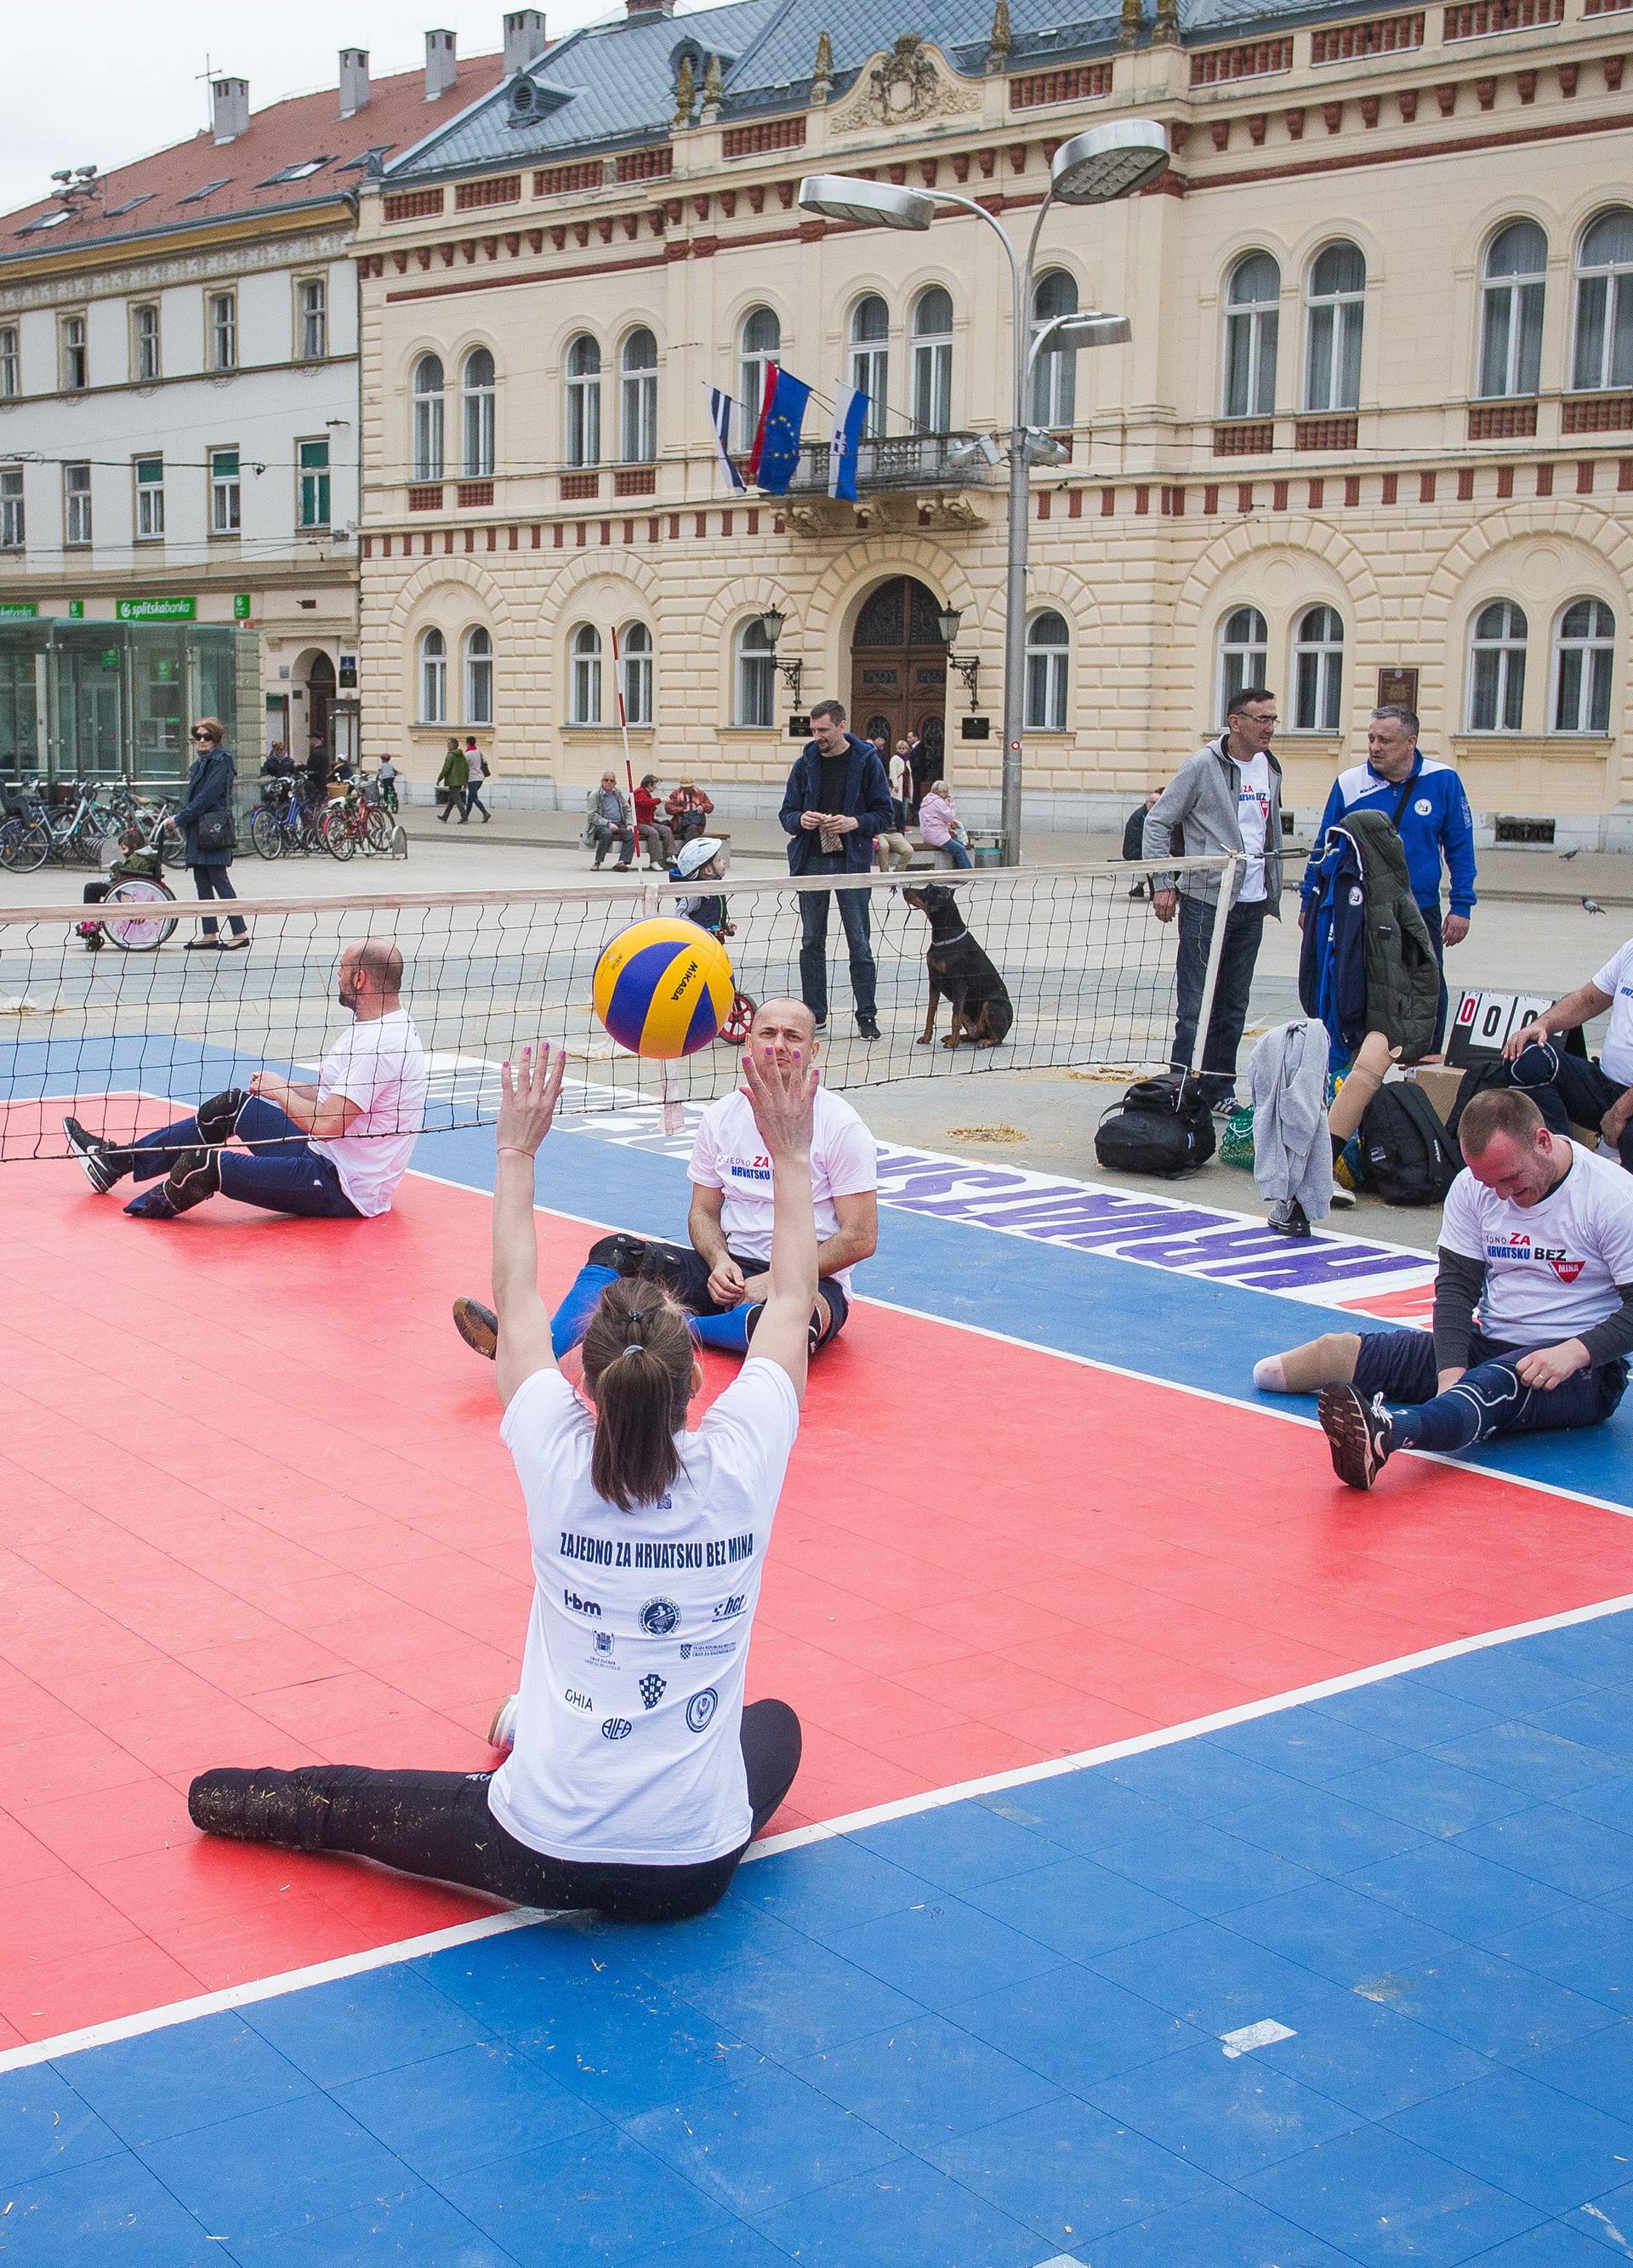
<point>215,882</point>
<point>437,1823</point>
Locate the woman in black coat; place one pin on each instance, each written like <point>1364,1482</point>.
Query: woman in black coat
<point>207,811</point>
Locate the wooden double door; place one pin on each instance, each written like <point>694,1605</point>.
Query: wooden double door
<point>898,667</point>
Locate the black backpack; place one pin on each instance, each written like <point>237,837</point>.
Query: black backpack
<point>1490,1071</point>
<point>1406,1152</point>
<point>1161,1126</point>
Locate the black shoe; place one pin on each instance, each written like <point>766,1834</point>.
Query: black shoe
<point>868,1026</point>
<point>1288,1218</point>
<point>819,1021</point>
<point>259,1807</point>
<point>477,1326</point>
<point>1360,1434</point>
<point>103,1165</point>
<point>202,944</point>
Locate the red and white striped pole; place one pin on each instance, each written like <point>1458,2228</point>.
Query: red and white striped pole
<point>623,720</point>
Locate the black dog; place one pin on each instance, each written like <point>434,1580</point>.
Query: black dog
<point>981,1010</point>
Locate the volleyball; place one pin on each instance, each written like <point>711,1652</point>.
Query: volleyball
<point>664,988</point>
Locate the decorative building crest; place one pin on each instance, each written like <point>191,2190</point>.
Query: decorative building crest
<point>1167,33</point>
<point>1132,24</point>
<point>914,81</point>
<point>685,92</point>
<point>1003,39</point>
<point>822,76</point>
<point>714,90</point>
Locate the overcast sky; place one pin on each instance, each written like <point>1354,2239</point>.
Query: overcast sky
<point>100,82</point>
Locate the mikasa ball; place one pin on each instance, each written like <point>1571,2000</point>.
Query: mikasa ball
<point>663,987</point>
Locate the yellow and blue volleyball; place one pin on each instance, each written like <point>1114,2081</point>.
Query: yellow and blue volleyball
<point>664,988</point>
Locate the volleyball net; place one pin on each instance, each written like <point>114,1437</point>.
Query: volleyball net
<point>126,1016</point>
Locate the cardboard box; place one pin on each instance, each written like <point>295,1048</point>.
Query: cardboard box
<point>1440,1083</point>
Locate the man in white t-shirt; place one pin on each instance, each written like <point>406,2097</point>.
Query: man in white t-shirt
<point>720,1275</point>
<point>330,1149</point>
<point>1569,1090</point>
<point>1538,1235</point>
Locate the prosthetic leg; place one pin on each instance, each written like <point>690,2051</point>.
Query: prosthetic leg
<point>1330,1360</point>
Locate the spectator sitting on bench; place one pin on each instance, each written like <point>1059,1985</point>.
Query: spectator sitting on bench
<point>939,826</point>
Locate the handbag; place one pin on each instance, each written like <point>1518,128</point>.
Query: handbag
<point>214,829</point>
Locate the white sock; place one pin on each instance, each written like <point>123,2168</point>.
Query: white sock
<point>1268,1375</point>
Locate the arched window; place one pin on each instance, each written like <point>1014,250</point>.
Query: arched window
<point>1336,307</point>
<point>1047,645</point>
<point>1317,669</point>
<point>639,392</point>
<point>584,647</point>
<point>583,402</point>
<point>479,415</point>
<point>759,345</point>
<point>1243,648</point>
<point>933,361</point>
<point>1055,372</point>
<point>478,677</point>
<point>1496,668</point>
<point>1604,347</point>
<point>1252,315</point>
<point>1511,311</point>
<point>635,648</point>
<point>756,675</point>
<point>433,678</point>
<point>870,360</point>
<point>1584,653</point>
<point>428,415</point>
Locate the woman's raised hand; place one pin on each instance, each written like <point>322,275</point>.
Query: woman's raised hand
<point>783,1097</point>
<point>529,1092</point>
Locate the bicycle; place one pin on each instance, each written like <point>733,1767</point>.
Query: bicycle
<point>353,822</point>
<point>283,824</point>
<point>24,838</point>
<point>154,822</point>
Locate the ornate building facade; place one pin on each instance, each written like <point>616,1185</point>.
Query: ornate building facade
<point>1372,437</point>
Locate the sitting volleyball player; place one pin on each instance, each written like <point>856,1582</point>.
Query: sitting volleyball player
<point>636,1778</point>
<point>330,1149</point>
<point>721,1278</point>
<point>1539,1235</point>
<point>702,860</point>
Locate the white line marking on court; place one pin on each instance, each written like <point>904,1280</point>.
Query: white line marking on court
<point>1247,2037</point>
<point>770,1846</point>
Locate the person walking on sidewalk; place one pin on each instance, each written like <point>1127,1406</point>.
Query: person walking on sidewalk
<point>1225,798</point>
<point>479,772</point>
<point>454,777</point>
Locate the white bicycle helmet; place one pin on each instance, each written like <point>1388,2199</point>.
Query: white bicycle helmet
<point>694,856</point>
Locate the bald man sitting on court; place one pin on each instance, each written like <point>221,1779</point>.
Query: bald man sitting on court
<point>721,1276</point>
<point>1539,1234</point>
<point>334,1148</point>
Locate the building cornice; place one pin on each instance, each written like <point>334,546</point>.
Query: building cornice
<point>115,255</point>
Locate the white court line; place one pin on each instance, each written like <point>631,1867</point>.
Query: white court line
<point>797,1839</point>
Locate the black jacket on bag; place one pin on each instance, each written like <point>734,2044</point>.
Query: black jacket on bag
<point>209,788</point>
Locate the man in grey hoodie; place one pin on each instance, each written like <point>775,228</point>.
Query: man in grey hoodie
<point>1227,796</point>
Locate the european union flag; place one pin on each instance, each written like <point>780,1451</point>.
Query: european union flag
<point>776,445</point>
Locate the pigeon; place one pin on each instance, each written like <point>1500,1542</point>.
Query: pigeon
<point>1592,906</point>
<point>1570,854</point>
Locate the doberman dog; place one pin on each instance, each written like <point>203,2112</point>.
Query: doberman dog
<point>983,1012</point>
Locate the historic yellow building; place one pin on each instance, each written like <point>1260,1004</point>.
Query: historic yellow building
<point>1372,437</point>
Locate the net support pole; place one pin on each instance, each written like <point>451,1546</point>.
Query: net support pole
<point>1228,877</point>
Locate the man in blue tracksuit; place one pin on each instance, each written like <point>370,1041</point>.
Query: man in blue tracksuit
<point>1429,812</point>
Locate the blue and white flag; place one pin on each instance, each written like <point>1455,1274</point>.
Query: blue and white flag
<point>850,417</point>
<point>722,415</point>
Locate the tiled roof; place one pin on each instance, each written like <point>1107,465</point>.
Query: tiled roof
<point>163,192</point>
<point>614,82</point>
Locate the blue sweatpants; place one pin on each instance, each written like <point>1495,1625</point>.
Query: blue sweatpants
<point>1488,1398</point>
<point>280,1173</point>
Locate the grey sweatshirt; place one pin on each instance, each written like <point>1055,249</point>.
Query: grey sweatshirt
<point>1195,817</point>
<point>1292,1153</point>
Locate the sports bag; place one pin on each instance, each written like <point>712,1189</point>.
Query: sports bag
<point>1491,1072</point>
<point>1162,1126</point>
<point>1407,1157</point>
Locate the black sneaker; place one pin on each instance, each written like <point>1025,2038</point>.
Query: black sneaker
<point>1360,1434</point>
<point>868,1026</point>
<point>103,1165</point>
<point>477,1326</point>
<point>1288,1218</point>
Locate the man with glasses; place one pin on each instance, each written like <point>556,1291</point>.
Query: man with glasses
<point>1225,798</point>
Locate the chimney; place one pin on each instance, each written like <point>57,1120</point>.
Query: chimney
<point>440,67</point>
<point>353,80</point>
<point>524,38</point>
<point>646,12</point>
<point>229,108</point>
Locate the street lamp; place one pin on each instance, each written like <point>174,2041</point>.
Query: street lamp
<point>771,630</point>
<point>1094,168</point>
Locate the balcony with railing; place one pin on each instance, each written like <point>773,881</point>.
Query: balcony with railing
<point>904,463</point>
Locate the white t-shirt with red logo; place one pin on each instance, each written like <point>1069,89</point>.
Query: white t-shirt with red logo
<point>1551,1269</point>
<point>1253,812</point>
<point>728,1154</point>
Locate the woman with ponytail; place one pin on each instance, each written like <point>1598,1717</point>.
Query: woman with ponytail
<point>636,1778</point>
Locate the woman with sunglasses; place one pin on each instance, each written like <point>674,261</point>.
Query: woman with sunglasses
<point>206,818</point>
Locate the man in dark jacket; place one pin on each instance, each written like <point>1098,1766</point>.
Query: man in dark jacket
<point>837,800</point>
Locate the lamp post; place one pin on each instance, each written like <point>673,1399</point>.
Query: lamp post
<point>1107,163</point>
<point>771,630</point>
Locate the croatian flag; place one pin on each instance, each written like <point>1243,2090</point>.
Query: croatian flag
<point>850,416</point>
<point>775,457</point>
<point>722,416</point>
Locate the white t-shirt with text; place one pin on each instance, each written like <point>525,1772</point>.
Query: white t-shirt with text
<point>1615,1056</point>
<point>1551,1269</point>
<point>380,1066</point>
<point>1253,812</point>
<point>728,1154</point>
<point>628,1715</point>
